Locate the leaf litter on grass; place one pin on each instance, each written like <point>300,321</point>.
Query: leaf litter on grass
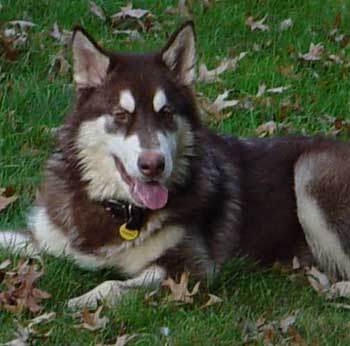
<point>7,196</point>
<point>35,329</point>
<point>91,320</point>
<point>21,292</point>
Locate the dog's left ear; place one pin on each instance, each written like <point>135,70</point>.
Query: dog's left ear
<point>179,53</point>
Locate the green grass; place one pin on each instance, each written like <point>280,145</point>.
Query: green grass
<point>31,103</point>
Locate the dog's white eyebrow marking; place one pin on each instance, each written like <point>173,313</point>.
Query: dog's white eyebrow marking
<point>127,101</point>
<point>159,100</point>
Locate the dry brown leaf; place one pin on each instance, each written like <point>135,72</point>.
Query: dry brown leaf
<point>133,35</point>
<point>207,76</point>
<point>122,340</point>
<point>24,335</point>
<point>286,322</point>
<point>221,103</point>
<point>64,37</point>
<point>213,299</point>
<point>21,336</point>
<point>179,291</point>
<point>266,129</point>
<point>7,196</point>
<point>7,49</point>
<point>256,24</point>
<point>318,280</point>
<point>340,306</point>
<point>339,289</point>
<point>314,53</point>
<point>181,9</point>
<point>44,318</point>
<point>92,320</point>
<point>278,90</point>
<point>336,58</point>
<point>5,264</point>
<point>129,11</point>
<point>262,89</point>
<point>59,65</point>
<point>286,24</point>
<point>295,337</point>
<point>21,292</point>
<point>97,10</point>
<point>22,24</point>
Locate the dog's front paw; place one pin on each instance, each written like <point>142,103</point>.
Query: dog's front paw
<point>108,292</point>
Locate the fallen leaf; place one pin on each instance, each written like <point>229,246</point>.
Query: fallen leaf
<point>286,24</point>
<point>181,9</point>
<point>128,11</point>
<point>122,340</point>
<point>6,198</point>
<point>179,291</point>
<point>59,65</point>
<point>278,90</point>
<point>21,292</point>
<point>286,322</point>
<point>64,37</point>
<point>24,335</point>
<point>44,318</point>
<point>339,289</point>
<point>262,89</point>
<point>92,320</point>
<point>134,35</point>
<point>23,24</point>
<point>314,53</point>
<point>318,280</point>
<point>256,24</point>
<point>221,103</point>
<point>97,10</point>
<point>295,337</point>
<point>336,59</point>
<point>340,306</point>
<point>21,336</point>
<point>266,129</point>
<point>207,76</point>
<point>5,264</point>
<point>7,49</point>
<point>213,299</point>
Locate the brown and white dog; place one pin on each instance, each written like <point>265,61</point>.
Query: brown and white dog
<point>139,184</point>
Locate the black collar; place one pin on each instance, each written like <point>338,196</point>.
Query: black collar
<point>132,215</point>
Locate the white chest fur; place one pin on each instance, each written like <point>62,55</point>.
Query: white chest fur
<point>130,257</point>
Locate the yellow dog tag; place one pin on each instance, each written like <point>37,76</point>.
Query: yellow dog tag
<point>128,234</point>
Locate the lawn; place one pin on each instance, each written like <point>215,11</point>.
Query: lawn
<point>34,98</point>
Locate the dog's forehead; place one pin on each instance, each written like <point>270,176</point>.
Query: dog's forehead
<point>138,81</point>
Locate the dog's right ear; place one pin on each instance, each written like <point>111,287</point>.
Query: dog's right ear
<point>89,60</point>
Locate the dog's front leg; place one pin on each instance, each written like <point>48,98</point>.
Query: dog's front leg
<point>110,291</point>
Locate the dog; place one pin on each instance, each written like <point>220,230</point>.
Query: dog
<point>138,183</point>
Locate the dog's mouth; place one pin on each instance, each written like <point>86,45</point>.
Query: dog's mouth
<point>151,194</point>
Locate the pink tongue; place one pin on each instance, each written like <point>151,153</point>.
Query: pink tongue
<point>152,195</point>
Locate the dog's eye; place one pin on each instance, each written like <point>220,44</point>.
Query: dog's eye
<point>121,115</point>
<point>166,113</point>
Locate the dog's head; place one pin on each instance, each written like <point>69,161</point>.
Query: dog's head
<point>134,118</point>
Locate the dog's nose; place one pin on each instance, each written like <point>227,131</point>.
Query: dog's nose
<point>151,163</point>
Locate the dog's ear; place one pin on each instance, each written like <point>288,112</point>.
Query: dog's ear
<point>179,53</point>
<point>89,60</point>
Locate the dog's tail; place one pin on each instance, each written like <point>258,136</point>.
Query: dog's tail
<point>18,242</point>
